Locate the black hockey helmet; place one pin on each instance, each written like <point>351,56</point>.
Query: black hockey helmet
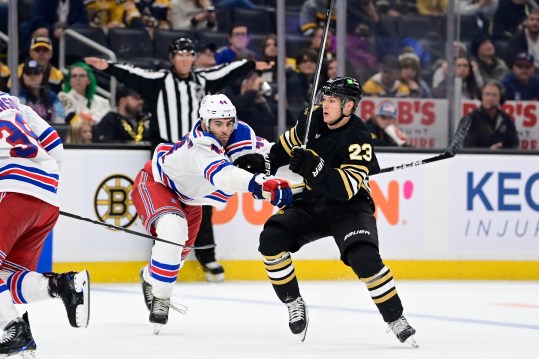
<point>181,44</point>
<point>343,87</point>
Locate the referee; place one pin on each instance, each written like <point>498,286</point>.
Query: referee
<point>173,97</point>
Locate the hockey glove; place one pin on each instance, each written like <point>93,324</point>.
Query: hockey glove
<point>307,163</point>
<point>254,163</point>
<point>274,190</point>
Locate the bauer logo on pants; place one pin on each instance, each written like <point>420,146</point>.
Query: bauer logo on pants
<point>112,202</point>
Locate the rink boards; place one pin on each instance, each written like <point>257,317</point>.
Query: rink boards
<point>471,217</point>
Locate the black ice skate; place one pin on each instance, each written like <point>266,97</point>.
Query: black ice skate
<point>17,339</point>
<point>298,317</point>
<point>403,331</point>
<point>74,290</point>
<point>159,312</point>
<point>214,272</point>
<point>146,290</point>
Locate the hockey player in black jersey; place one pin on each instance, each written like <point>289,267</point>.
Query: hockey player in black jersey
<point>336,202</point>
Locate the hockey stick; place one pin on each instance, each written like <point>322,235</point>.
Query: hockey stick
<point>451,151</point>
<point>317,72</point>
<point>132,232</point>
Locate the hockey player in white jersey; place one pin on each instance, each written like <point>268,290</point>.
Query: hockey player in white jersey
<point>181,177</point>
<point>30,158</point>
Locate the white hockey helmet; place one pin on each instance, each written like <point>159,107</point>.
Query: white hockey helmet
<point>216,106</point>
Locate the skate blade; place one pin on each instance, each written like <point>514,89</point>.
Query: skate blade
<point>157,328</point>
<point>303,334</point>
<point>82,285</point>
<point>411,340</point>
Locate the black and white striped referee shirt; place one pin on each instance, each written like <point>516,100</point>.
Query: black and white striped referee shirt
<point>173,101</point>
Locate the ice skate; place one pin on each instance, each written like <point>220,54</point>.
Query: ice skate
<point>403,331</point>
<point>298,317</point>
<point>214,272</point>
<point>159,312</point>
<point>146,290</point>
<point>74,290</point>
<point>17,339</point>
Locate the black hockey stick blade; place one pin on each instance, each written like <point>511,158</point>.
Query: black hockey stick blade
<point>71,215</point>
<point>458,137</point>
<point>454,146</point>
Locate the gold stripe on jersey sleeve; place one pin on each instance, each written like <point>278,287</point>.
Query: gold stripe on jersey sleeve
<point>294,139</point>
<point>285,144</point>
<point>346,182</point>
<point>356,168</point>
<point>357,176</point>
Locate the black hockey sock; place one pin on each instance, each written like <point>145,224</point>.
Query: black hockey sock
<point>282,276</point>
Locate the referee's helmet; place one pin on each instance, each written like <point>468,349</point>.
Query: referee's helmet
<point>180,45</point>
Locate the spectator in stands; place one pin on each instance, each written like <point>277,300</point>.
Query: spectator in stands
<point>235,3</point>
<point>327,71</point>
<point>38,96</point>
<point>463,69</point>
<point>4,77</point>
<point>51,17</point>
<point>205,56</point>
<point>395,8</point>
<point>490,66</point>
<point>269,54</point>
<point>383,126</point>
<point>79,96</point>
<point>386,83</point>
<point>410,69</point>
<point>440,66</point>
<point>522,84</point>
<point>299,81</point>
<point>256,106</point>
<point>483,8</point>
<point>526,40</point>
<point>432,7</point>
<point>238,38</point>
<point>108,14</point>
<point>509,18</point>
<point>128,124</point>
<point>316,42</point>
<point>155,13</point>
<point>41,51</point>
<point>80,131</point>
<point>313,15</point>
<point>193,15</point>
<point>490,126</point>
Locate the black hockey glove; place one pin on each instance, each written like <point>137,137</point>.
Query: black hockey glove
<point>254,163</point>
<point>307,164</point>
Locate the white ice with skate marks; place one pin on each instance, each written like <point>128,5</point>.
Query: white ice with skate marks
<point>240,320</point>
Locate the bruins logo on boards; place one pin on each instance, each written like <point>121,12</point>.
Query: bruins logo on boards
<point>112,203</point>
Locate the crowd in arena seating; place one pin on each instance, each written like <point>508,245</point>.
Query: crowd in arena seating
<point>396,48</point>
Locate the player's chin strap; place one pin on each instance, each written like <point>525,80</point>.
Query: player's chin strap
<point>343,102</point>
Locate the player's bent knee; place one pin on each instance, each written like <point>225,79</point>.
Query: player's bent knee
<point>172,227</point>
<point>274,240</point>
<point>364,258</point>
